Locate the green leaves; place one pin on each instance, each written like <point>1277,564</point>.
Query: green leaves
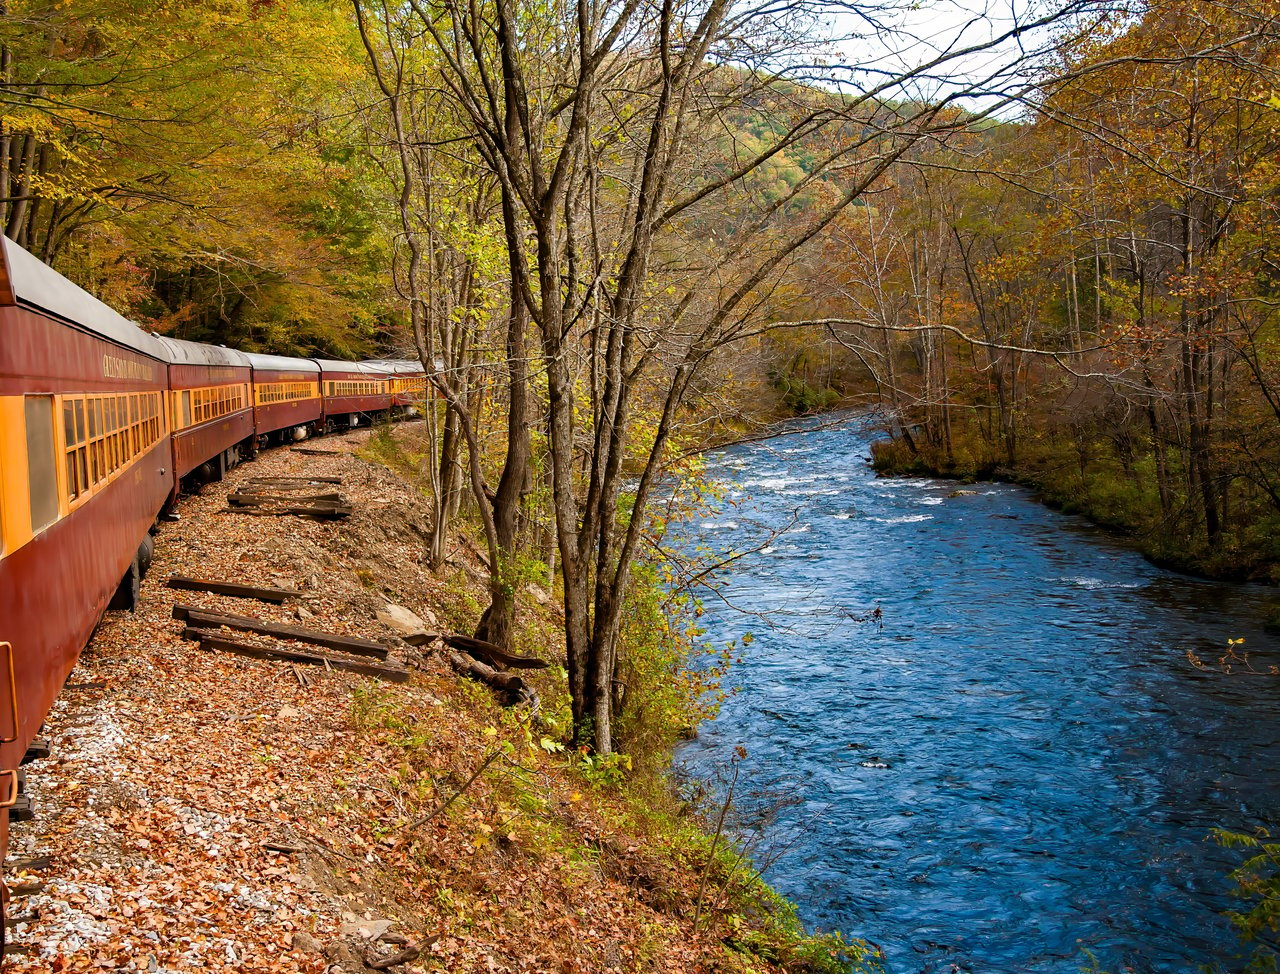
<point>1257,882</point>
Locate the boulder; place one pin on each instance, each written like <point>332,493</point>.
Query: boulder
<point>400,619</point>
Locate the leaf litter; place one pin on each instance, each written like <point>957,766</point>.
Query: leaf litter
<point>209,812</point>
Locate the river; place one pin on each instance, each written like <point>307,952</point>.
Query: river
<point>1017,762</point>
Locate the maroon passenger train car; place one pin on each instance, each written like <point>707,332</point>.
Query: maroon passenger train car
<point>85,468</point>
<point>408,383</point>
<point>286,395</point>
<point>210,406</point>
<point>352,390</point>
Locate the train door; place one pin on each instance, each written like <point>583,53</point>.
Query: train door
<point>31,443</point>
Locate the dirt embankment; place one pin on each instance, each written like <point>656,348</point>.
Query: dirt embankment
<point>205,811</point>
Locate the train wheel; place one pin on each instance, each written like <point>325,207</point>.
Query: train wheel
<point>146,552</point>
<point>127,594</point>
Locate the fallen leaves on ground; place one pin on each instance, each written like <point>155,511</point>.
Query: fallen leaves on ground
<point>208,812</point>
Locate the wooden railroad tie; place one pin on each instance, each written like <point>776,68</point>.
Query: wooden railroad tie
<point>198,618</point>
<point>28,864</point>
<point>277,504</point>
<point>277,496</point>
<point>248,498</point>
<point>208,640</point>
<point>292,483</point>
<point>321,513</point>
<point>38,748</point>
<point>26,887</point>
<point>276,595</point>
<point>22,810</point>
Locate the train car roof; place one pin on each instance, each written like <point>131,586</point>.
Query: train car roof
<point>30,281</point>
<point>332,365</point>
<point>406,364</point>
<point>281,363</point>
<point>181,352</point>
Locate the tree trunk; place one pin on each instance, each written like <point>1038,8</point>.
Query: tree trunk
<point>16,228</point>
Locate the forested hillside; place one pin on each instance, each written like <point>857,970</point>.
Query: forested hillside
<point>197,166</point>
<point>1085,298</point>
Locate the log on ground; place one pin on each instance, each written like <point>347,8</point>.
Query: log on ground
<point>494,655</point>
<point>512,689</point>
<point>486,674</point>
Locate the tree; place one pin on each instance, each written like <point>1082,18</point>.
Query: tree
<point>1108,251</point>
<point>182,161</point>
<point>636,248</point>
<point>444,282</point>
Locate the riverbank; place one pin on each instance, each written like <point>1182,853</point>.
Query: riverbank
<point>208,811</point>
<point>1109,498</point>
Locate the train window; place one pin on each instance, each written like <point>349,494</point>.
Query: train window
<point>117,430</point>
<point>186,409</point>
<point>77,453</point>
<point>42,470</point>
<point>109,426</point>
<point>74,486</point>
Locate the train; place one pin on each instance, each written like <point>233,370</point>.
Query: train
<point>102,425</point>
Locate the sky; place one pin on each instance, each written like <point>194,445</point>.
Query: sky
<point>877,42</point>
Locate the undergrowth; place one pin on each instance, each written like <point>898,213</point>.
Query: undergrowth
<point>510,789</point>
